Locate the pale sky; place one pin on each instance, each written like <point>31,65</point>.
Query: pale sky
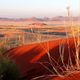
<point>37,8</point>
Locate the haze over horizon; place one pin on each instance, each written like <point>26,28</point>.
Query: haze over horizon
<point>37,8</point>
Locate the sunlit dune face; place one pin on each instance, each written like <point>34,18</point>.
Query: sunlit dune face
<point>72,76</point>
<point>9,35</point>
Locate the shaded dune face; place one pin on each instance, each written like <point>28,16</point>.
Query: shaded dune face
<point>42,59</point>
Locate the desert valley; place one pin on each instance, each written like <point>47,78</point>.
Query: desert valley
<point>42,49</point>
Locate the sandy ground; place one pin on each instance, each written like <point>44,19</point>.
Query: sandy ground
<point>33,60</point>
<point>40,54</point>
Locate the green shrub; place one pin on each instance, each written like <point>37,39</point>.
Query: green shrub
<point>8,70</point>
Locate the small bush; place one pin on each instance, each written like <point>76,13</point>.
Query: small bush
<point>8,69</point>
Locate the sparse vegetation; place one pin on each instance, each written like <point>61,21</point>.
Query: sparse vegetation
<point>8,69</point>
<point>3,50</point>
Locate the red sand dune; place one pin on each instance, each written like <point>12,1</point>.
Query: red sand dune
<point>73,76</point>
<point>29,58</point>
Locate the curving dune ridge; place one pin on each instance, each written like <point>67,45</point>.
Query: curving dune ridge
<point>42,61</point>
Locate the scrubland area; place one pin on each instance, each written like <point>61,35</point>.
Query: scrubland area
<point>42,50</point>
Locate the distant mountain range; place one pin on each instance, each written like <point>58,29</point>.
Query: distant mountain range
<point>57,18</point>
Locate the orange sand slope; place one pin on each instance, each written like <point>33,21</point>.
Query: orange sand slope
<point>34,60</point>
